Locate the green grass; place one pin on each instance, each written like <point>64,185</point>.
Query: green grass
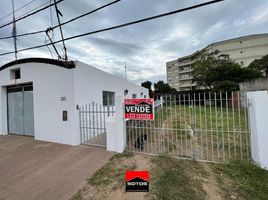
<point>170,179</point>
<point>111,172</point>
<point>215,127</point>
<point>203,117</point>
<point>248,181</point>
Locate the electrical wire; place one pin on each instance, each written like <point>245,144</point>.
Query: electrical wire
<point>48,46</point>
<point>30,14</point>
<point>50,13</point>
<point>64,23</point>
<point>123,25</point>
<point>34,9</point>
<point>31,10</point>
<point>3,17</point>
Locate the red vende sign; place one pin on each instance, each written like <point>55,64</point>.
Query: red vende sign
<point>139,109</point>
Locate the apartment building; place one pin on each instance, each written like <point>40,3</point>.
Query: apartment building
<point>242,50</point>
<point>179,73</point>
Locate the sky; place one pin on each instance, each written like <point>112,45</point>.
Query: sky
<point>143,48</point>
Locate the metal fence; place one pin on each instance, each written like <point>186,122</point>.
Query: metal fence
<point>204,126</point>
<point>92,123</point>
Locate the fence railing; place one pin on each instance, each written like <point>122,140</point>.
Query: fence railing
<point>204,126</point>
<point>93,118</point>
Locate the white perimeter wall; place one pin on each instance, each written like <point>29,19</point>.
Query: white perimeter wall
<point>258,115</point>
<point>50,83</point>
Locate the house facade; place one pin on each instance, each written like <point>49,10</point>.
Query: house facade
<point>40,97</point>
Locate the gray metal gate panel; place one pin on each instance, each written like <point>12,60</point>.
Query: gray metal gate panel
<point>20,110</point>
<point>206,127</point>
<point>28,114</point>
<point>92,123</point>
<point>15,112</point>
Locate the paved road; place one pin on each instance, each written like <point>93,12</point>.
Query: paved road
<point>36,170</point>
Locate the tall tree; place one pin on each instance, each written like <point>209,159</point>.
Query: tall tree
<point>260,64</point>
<point>161,87</point>
<point>148,85</point>
<point>219,73</point>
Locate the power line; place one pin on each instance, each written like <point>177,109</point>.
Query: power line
<point>30,14</point>
<point>50,12</point>
<point>64,23</point>
<point>17,10</point>
<point>35,8</point>
<point>31,10</point>
<point>24,34</point>
<point>85,14</point>
<point>123,25</point>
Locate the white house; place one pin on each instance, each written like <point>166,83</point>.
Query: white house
<point>40,97</point>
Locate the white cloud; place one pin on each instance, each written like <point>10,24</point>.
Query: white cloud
<point>215,28</point>
<point>146,47</point>
<point>261,14</point>
<point>239,22</point>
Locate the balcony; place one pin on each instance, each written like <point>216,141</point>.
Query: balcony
<point>185,71</point>
<point>188,85</point>
<point>185,78</point>
<point>186,62</point>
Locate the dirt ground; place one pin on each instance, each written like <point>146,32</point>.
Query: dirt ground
<point>115,189</point>
<point>113,185</point>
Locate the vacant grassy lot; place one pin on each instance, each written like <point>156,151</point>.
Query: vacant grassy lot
<point>203,117</point>
<point>177,179</point>
<point>220,132</point>
<point>214,133</point>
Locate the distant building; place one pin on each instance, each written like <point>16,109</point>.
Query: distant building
<point>179,73</point>
<point>242,50</point>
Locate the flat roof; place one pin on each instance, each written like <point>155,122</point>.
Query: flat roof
<point>60,63</point>
<point>253,36</point>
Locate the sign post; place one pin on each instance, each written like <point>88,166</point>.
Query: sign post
<point>139,109</point>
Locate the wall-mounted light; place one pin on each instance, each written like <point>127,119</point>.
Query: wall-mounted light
<point>125,92</point>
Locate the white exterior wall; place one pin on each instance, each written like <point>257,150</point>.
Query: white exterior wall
<point>50,82</point>
<point>89,82</point>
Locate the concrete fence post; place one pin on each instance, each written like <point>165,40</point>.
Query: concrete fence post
<point>258,115</point>
<point>115,127</point>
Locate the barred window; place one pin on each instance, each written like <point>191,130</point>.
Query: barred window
<point>108,98</point>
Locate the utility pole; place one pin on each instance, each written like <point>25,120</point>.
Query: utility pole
<point>62,38</point>
<point>14,31</point>
<point>125,72</point>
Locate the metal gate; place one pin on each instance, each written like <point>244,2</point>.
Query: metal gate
<point>20,111</point>
<point>93,117</point>
<point>208,127</point>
